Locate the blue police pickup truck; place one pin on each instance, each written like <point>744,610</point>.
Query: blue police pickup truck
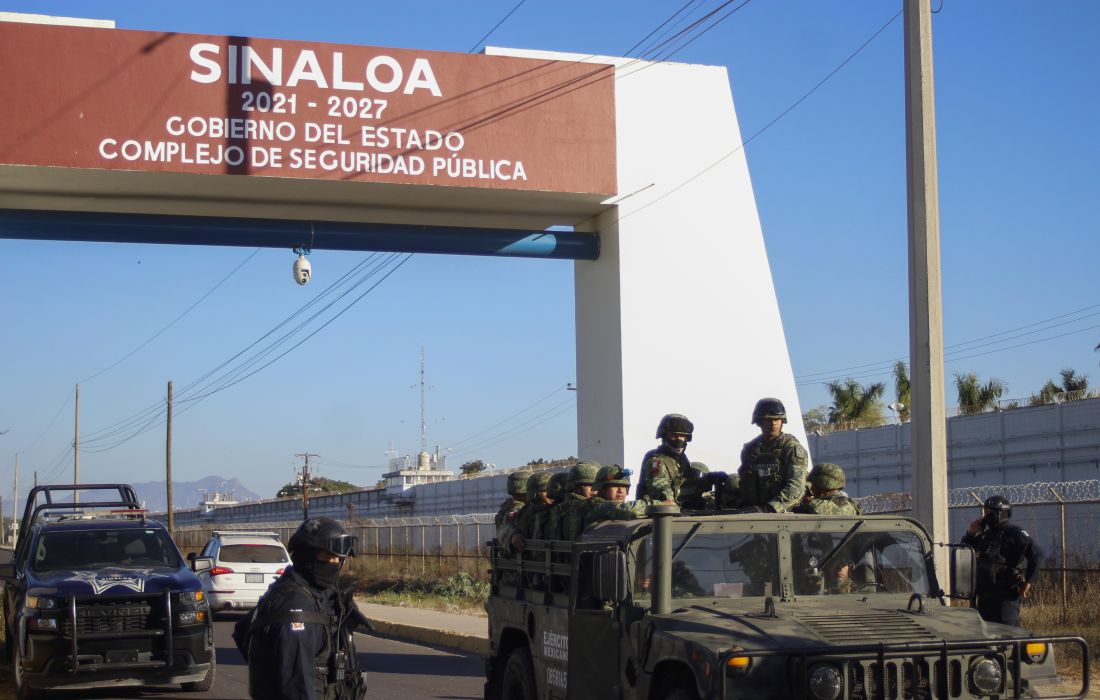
<point>98,595</point>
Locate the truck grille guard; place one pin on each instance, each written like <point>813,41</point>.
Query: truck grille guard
<point>166,631</point>
<point>950,678</point>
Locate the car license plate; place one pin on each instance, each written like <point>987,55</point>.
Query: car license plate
<point>253,578</point>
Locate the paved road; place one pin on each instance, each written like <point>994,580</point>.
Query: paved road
<point>396,671</point>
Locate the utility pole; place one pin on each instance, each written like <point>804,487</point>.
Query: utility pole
<point>927,418</point>
<point>423,423</point>
<point>305,484</point>
<point>168,464</point>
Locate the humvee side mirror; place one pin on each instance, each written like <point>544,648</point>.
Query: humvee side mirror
<point>201,564</point>
<point>190,556</point>
<point>609,576</point>
<point>963,573</point>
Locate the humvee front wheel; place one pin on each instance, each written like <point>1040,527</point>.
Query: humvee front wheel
<point>682,693</point>
<point>519,676</point>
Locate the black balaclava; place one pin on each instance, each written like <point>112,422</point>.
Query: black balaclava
<point>321,574</point>
<point>675,445</point>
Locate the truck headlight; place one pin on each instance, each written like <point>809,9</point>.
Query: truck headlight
<point>986,677</point>
<point>41,602</point>
<point>191,598</point>
<point>825,682</point>
<point>191,617</point>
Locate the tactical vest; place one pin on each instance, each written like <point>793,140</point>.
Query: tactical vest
<point>656,465</point>
<point>759,474</point>
<point>993,569</point>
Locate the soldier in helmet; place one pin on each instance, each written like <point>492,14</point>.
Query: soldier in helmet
<point>665,468</point>
<point>538,501</point>
<point>517,495</point>
<point>555,491</point>
<point>612,484</point>
<point>826,493</point>
<point>299,639</point>
<point>578,490</point>
<point>773,465</point>
<point>1008,561</point>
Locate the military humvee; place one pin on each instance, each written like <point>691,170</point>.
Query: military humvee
<point>752,606</point>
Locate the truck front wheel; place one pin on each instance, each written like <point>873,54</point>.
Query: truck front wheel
<point>519,676</point>
<point>18,681</point>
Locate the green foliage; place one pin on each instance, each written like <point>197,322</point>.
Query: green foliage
<point>815,419</point>
<point>902,389</point>
<point>975,397</point>
<point>473,467</point>
<point>462,585</point>
<point>1073,387</point>
<point>318,485</point>
<point>855,405</point>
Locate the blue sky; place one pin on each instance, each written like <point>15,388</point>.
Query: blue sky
<point>1016,102</point>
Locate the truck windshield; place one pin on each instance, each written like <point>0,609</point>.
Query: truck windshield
<point>85,549</point>
<point>870,562</point>
<point>715,565</point>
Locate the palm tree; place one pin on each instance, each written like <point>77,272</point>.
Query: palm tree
<point>1048,394</point>
<point>855,405</point>
<point>974,397</point>
<point>901,389</point>
<point>1076,387</point>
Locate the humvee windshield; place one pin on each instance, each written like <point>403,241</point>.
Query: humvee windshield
<point>83,549</point>
<point>721,560</point>
<point>714,564</point>
<point>869,562</point>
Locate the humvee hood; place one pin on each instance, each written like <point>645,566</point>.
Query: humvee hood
<point>112,580</point>
<point>808,628</point>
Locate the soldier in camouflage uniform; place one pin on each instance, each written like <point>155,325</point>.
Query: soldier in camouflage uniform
<point>609,503</point>
<point>826,494</point>
<point>665,468</point>
<point>556,493</point>
<point>579,489</point>
<point>773,465</point>
<point>517,495</point>
<point>538,500</point>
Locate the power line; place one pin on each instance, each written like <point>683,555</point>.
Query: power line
<point>834,372</point>
<point>496,26</point>
<point>173,322</point>
<point>555,391</point>
<point>660,26</point>
<point>497,439</point>
<point>506,437</point>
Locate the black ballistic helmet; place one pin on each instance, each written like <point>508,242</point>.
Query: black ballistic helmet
<point>325,535</point>
<point>1000,505</point>
<point>769,408</point>
<point>675,423</point>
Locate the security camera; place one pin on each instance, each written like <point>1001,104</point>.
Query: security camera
<point>302,270</point>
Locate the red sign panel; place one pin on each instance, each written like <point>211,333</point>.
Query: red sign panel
<point>78,97</point>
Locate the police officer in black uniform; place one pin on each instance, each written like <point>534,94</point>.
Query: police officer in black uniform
<point>299,640</point>
<point>1008,561</point>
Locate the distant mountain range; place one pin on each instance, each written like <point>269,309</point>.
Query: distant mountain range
<point>188,494</point>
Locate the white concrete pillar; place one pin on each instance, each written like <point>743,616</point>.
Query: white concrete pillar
<point>679,314</point>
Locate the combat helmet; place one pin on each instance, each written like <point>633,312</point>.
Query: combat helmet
<point>769,407</point>
<point>582,473</point>
<point>538,481</point>
<point>556,487</point>
<point>675,423</point>
<point>1000,505</point>
<point>323,535</point>
<point>826,476</point>
<point>612,475</point>
<point>517,482</point>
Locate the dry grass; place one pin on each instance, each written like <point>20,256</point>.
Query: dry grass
<point>1044,613</point>
<point>437,582</point>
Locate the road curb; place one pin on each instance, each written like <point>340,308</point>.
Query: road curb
<point>442,638</point>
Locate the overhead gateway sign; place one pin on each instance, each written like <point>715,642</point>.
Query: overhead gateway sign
<point>88,98</point>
